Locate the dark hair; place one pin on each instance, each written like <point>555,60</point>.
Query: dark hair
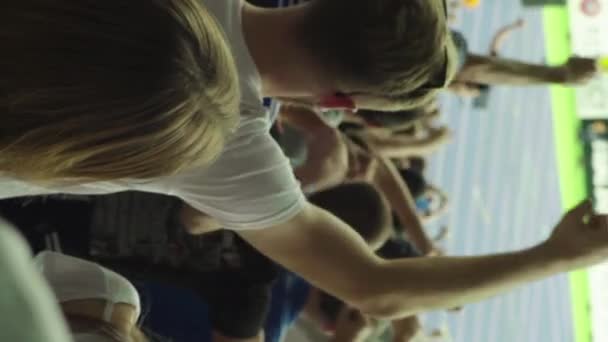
<point>417,164</point>
<point>390,119</point>
<point>385,49</point>
<point>414,180</point>
<point>361,206</point>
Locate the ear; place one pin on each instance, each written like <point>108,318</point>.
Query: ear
<point>337,101</point>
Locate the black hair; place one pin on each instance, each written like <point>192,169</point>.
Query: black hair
<point>360,205</point>
<point>414,180</point>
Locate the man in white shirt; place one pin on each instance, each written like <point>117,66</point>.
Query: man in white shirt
<point>316,245</point>
<point>388,54</point>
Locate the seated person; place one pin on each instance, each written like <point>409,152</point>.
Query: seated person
<point>232,290</point>
<point>235,295</point>
<point>136,235</point>
<point>98,304</point>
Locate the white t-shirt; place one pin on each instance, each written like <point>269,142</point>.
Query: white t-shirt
<point>251,185</point>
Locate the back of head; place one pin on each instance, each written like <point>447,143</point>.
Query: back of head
<point>414,180</point>
<point>362,207</point>
<point>112,89</point>
<point>388,54</point>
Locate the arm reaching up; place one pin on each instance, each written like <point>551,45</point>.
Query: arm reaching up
<point>500,71</point>
<point>330,255</point>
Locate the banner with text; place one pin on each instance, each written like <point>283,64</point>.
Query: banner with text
<point>589,38</point>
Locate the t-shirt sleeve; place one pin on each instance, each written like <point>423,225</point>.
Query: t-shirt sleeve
<point>250,186</point>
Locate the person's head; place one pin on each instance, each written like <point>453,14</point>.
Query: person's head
<point>99,305</point>
<point>380,54</point>
<point>415,181</point>
<point>89,330</point>
<point>362,207</point>
<point>99,90</point>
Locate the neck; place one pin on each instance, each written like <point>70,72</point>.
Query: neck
<point>287,69</point>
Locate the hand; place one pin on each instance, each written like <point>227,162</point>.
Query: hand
<point>578,70</point>
<point>581,237</point>
<point>353,326</point>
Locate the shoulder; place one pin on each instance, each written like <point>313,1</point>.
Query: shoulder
<point>251,184</point>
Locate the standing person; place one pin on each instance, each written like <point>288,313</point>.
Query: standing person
<point>250,187</point>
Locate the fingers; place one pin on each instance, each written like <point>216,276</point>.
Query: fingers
<point>584,214</point>
<point>599,222</point>
<point>579,212</point>
<point>581,69</point>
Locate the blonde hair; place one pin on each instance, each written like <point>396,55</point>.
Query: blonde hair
<point>383,52</point>
<point>137,335</point>
<point>112,89</point>
<point>84,324</point>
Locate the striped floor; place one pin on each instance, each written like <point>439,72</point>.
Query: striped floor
<point>500,172</point>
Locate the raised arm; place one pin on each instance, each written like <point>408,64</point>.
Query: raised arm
<point>333,257</point>
<point>502,34</point>
<point>495,70</point>
<point>398,146</point>
<point>388,180</point>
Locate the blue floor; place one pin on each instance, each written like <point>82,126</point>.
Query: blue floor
<point>500,172</point>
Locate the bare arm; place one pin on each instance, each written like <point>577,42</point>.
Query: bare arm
<point>503,34</point>
<point>494,70</point>
<point>330,255</point>
<point>402,146</point>
<point>327,160</point>
<point>388,180</point>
